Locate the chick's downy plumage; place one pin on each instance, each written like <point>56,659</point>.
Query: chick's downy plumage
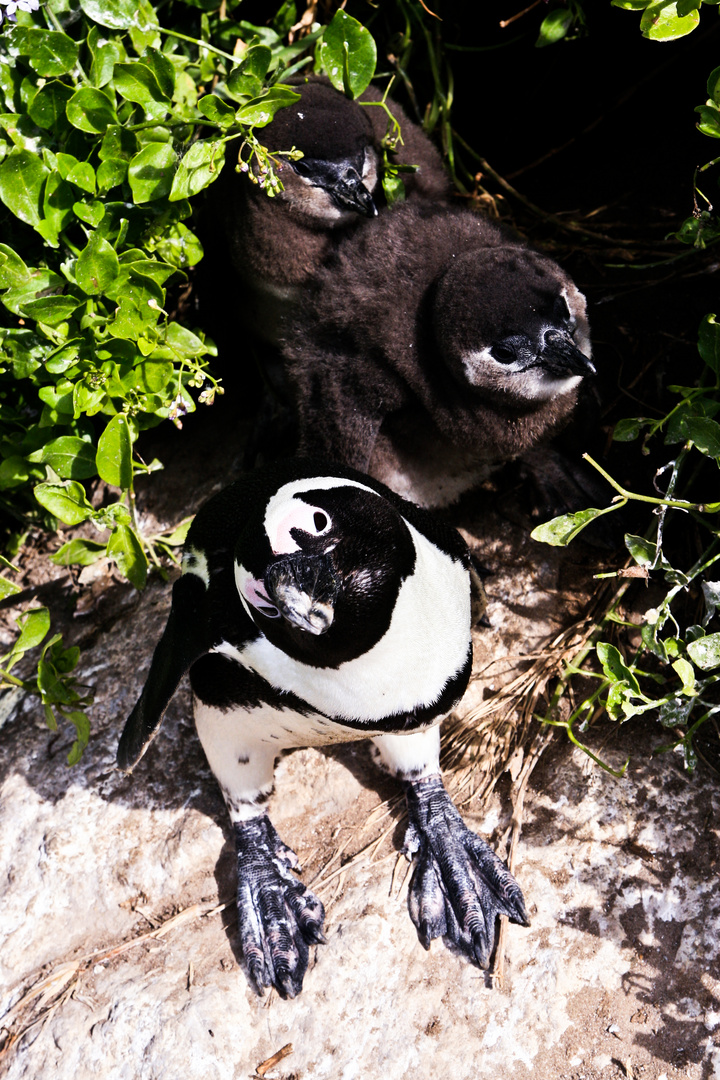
<point>277,244</point>
<point>436,345</point>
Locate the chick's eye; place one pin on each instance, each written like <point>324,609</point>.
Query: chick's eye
<point>562,311</point>
<point>504,354</point>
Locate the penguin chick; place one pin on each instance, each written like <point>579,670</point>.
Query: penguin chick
<point>435,346</point>
<point>315,606</point>
<point>277,244</point>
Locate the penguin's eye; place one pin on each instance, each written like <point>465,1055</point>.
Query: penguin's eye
<point>561,311</point>
<point>504,354</point>
<point>303,168</point>
<point>321,522</point>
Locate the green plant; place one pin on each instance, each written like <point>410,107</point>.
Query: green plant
<point>682,687</point>
<point>110,125</point>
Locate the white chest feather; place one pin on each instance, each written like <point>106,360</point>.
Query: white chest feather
<point>425,645</point>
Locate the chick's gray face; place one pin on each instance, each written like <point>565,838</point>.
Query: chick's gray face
<point>335,178</point>
<point>510,323</point>
<point>334,191</point>
<point>326,572</point>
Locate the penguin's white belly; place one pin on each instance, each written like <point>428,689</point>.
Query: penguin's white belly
<point>241,745</point>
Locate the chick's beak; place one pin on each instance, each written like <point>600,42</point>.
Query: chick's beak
<point>304,588</point>
<point>561,356</point>
<point>349,193</point>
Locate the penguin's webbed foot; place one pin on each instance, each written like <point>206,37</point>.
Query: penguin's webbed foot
<point>278,918</point>
<point>459,885</point>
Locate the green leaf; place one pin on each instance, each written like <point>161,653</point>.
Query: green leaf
<point>82,726</point>
<point>105,55</point>
<point>709,122</point>
<point>705,651</point>
<point>661,22</point>
<point>78,552</point>
<point>52,310</point>
<point>34,626</point>
<point>49,52</point>
<point>71,457</point>
<point>125,549</point>
<point>111,172</point>
<point>630,5</point>
<point>162,68</point>
<point>713,85</point>
<point>705,434</point>
<point>114,454</point>
<point>115,14</point>
<point>393,189</point>
<point>216,110</point>
<point>348,54</point>
<point>90,212</point>
<point>91,110</point>
<point>67,502</point>
<point>554,27</point>
<point>179,246</point>
<point>709,342</point>
<point>687,675</point>
<point>8,588</point>
<point>676,712</point>
<point>628,430</point>
<point>48,106</point>
<point>118,143</point>
<point>684,7</point>
<point>561,530</point>
<point>184,341</point>
<point>261,110</point>
<point>198,169</point>
<point>137,83</point>
<point>13,271</point>
<point>82,175</point>
<point>246,79</point>
<point>22,176</point>
<point>643,551</point>
<point>58,200</point>
<point>14,471</point>
<point>615,668</point>
<point>97,266</point>
<point>151,172</point>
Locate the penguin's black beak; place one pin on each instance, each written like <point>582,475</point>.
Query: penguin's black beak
<point>560,356</point>
<point>342,182</point>
<point>349,193</point>
<point>304,588</point>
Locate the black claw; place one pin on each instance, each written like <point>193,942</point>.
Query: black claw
<point>459,885</point>
<point>278,919</point>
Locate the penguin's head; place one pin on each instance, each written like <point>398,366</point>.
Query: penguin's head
<point>320,570</point>
<point>512,325</point>
<point>338,172</point>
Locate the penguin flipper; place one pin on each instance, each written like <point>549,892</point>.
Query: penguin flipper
<point>278,917</point>
<point>184,641</point>
<point>459,885</point>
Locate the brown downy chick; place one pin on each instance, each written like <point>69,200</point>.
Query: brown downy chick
<point>277,244</point>
<point>436,345</point>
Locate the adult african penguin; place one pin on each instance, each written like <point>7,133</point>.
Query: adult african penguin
<point>436,344</point>
<point>277,244</point>
<point>315,606</point>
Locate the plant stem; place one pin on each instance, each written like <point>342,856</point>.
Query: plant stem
<point>676,504</point>
<point>200,44</point>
